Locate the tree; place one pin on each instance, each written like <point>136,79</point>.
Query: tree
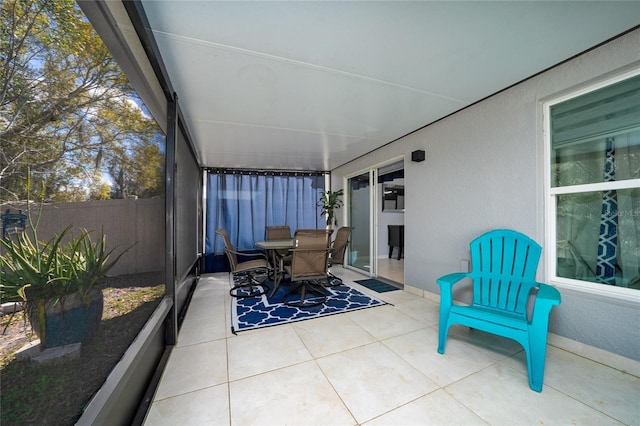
<point>141,174</point>
<point>66,109</point>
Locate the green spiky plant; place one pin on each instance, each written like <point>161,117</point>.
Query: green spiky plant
<point>52,269</point>
<point>330,201</point>
<point>41,273</point>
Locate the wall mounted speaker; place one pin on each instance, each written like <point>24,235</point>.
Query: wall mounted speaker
<point>417,155</point>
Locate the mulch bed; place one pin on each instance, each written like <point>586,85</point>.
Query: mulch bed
<point>56,394</point>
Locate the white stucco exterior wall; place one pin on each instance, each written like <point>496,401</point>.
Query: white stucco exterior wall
<point>484,169</point>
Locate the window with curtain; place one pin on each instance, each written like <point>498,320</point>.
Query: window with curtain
<point>595,185</point>
<point>244,203</point>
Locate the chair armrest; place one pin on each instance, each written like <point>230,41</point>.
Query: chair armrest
<point>451,279</point>
<point>248,250</point>
<point>548,293</point>
<point>248,253</point>
<point>546,298</point>
<point>446,283</point>
<point>318,249</point>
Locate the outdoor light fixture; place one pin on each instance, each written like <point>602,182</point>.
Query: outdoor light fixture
<point>417,155</point>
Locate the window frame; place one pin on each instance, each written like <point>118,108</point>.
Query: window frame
<point>620,295</point>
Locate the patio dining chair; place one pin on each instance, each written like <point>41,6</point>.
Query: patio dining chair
<point>279,232</point>
<point>309,269</point>
<point>339,246</point>
<point>337,252</point>
<point>245,273</point>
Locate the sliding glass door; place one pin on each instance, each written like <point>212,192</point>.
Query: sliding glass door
<point>375,211</point>
<point>390,221</point>
<point>359,212</point>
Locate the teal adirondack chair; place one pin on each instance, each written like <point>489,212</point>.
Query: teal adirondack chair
<point>504,264</point>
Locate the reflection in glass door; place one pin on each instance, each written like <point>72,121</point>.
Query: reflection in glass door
<point>390,221</point>
<point>359,208</point>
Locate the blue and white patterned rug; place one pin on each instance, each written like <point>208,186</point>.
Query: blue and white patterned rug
<point>261,311</point>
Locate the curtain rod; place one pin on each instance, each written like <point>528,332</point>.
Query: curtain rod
<point>265,172</point>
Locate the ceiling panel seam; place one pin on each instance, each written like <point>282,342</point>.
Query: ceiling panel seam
<point>231,123</point>
<point>270,57</point>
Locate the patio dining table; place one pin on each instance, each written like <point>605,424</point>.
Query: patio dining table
<point>272,247</point>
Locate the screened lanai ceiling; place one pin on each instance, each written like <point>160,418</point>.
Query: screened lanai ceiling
<point>302,85</point>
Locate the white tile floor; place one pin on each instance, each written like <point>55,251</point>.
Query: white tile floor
<point>377,366</point>
<point>392,269</point>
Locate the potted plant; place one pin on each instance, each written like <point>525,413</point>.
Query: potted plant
<point>57,282</point>
<point>330,201</point>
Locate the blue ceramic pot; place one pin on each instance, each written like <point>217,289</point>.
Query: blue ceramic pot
<point>69,320</point>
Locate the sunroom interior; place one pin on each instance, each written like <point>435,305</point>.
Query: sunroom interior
<point>347,89</point>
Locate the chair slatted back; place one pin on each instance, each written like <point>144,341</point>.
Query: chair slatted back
<point>279,232</point>
<point>317,237</point>
<point>340,245</point>
<point>310,257</point>
<point>229,249</point>
<point>504,264</point>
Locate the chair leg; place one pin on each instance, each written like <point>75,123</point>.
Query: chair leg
<point>536,357</point>
<point>332,280</point>
<point>310,296</point>
<point>442,338</point>
<point>443,329</point>
<point>248,286</point>
<point>276,281</point>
